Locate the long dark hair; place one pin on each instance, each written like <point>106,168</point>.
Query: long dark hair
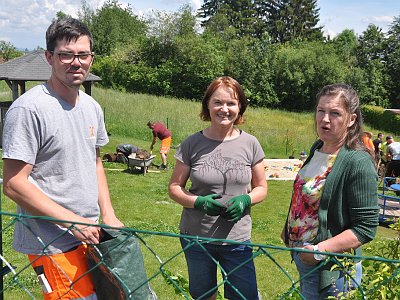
<point>352,106</point>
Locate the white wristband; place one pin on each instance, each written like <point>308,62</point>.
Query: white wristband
<point>317,256</point>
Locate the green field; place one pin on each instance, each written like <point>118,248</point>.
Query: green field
<point>142,202</point>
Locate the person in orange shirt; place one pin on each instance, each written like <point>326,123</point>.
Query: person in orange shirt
<point>367,139</point>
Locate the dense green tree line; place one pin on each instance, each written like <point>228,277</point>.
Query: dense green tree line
<point>273,48</point>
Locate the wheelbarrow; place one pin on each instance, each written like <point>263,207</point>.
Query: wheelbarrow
<point>136,162</point>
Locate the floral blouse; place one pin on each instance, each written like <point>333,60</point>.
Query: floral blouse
<point>307,191</point>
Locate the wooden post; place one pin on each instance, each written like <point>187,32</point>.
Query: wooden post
<point>88,87</point>
<point>14,89</point>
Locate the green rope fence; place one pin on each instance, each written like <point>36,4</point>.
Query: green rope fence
<point>165,266</point>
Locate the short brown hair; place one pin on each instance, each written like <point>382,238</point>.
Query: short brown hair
<point>66,28</point>
<point>238,92</point>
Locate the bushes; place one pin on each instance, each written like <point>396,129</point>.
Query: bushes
<point>381,119</point>
<point>376,273</point>
<point>300,71</point>
<point>166,54</point>
<point>373,115</point>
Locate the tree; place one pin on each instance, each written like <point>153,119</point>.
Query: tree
<point>294,20</point>
<point>209,8</point>
<point>62,15</point>
<point>284,20</point>
<point>346,44</point>
<point>186,22</point>
<point>163,29</point>
<point>300,71</point>
<point>370,53</point>
<point>8,51</point>
<point>372,87</point>
<point>219,26</point>
<point>371,45</point>
<point>248,60</point>
<point>86,13</point>
<point>195,64</point>
<point>242,15</point>
<point>113,26</point>
<point>393,61</point>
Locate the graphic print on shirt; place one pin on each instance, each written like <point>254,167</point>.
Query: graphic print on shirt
<point>229,168</point>
<point>91,131</point>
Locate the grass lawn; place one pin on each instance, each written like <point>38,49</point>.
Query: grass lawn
<point>142,202</point>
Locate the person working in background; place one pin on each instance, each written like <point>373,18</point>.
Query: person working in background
<point>393,158</point>
<point>384,146</point>
<point>52,167</point>
<point>378,146</point>
<point>367,140</point>
<point>160,131</point>
<point>123,151</point>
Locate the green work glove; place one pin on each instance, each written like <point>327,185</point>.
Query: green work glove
<point>236,207</point>
<point>209,205</point>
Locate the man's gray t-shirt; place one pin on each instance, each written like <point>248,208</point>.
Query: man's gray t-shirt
<point>60,142</point>
<point>394,150</point>
<point>219,167</point>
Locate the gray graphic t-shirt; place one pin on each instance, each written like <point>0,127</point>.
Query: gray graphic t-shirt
<point>219,167</point>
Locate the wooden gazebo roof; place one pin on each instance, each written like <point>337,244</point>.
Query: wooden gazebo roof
<point>32,67</point>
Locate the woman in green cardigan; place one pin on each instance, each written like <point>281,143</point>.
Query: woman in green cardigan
<point>334,205</point>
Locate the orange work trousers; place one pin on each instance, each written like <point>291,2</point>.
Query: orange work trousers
<point>66,274</point>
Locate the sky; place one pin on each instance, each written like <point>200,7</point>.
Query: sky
<point>23,23</point>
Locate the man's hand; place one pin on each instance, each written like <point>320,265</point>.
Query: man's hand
<point>209,205</point>
<point>236,207</point>
<point>86,233</point>
<point>113,222</point>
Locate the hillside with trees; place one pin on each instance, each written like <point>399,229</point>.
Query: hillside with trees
<point>274,48</point>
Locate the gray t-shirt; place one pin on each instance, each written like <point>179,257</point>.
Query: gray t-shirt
<point>218,168</point>
<point>60,142</point>
<point>394,150</point>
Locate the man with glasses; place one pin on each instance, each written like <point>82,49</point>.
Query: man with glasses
<point>52,166</point>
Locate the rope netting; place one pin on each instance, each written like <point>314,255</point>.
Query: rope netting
<point>165,272</point>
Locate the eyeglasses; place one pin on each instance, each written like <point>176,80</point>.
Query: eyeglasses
<point>68,57</point>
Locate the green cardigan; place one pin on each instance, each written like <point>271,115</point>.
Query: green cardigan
<point>349,201</point>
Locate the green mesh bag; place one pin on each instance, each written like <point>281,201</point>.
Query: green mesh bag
<point>117,267</point>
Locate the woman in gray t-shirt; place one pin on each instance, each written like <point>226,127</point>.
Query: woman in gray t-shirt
<point>225,168</point>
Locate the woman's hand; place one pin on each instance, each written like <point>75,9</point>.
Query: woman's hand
<point>308,258</point>
<point>236,207</point>
<point>209,205</point>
